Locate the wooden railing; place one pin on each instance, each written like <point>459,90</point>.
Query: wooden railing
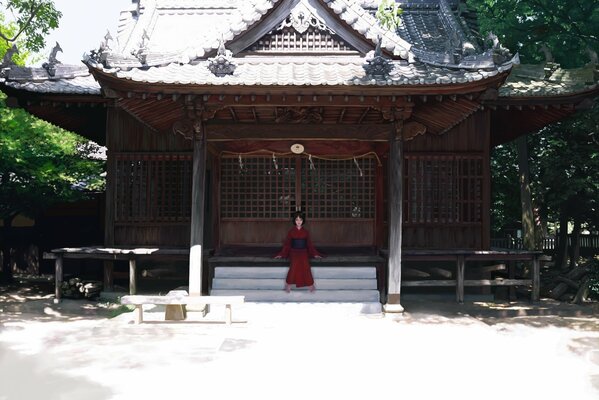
<point>587,242</point>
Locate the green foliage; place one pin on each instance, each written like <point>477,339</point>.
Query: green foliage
<point>388,14</point>
<point>30,22</point>
<point>41,164</point>
<point>121,309</point>
<point>505,191</point>
<point>594,279</point>
<point>568,28</point>
<point>11,29</point>
<point>565,158</point>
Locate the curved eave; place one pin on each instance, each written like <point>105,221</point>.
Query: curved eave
<point>514,116</point>
<point>120,87</point>
<point>84,114</point>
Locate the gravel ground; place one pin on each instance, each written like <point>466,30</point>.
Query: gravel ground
<point>436,348</point>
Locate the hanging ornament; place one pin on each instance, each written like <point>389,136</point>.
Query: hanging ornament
<point>358,165</point>
<point>274,161</point>
<point>297,148</point>
<point>311,163</point>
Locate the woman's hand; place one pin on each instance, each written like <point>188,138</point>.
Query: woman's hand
<point>317,256</point>
<point>278,257</point>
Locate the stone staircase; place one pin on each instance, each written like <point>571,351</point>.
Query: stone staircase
<point>334,284</point>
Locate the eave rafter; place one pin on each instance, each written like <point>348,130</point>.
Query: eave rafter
<point>438,107</point>
<point>513,116</point>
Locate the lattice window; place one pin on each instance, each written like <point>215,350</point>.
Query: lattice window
<point>443,189</point>
<point>153,187</point>
<point>313,39</point>
<point>339,188</point>
<point>257,187</point>
<point>260,187</point>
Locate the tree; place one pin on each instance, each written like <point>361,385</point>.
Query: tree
<point>563,31</point>
<point>31,22</point>
<point>566,163</point>
<point>40,164</point>
<point>566,32</point>
<point>388,14</point>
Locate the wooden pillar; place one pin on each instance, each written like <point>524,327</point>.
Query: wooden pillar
<point>57,278</point>
<point>395,201</point>
<point>536,278</point>
<point>461,268</point>
<point>112,128</point>
<point>197,209</point>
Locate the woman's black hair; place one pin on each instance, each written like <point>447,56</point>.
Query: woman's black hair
<point>298,214</point>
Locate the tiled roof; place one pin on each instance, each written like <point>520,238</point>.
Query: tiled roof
<point>173,41</point>
<point>294,72</point>
<point>69,79</point>
<point>79,85</point>
<point>182,31</point>
<point>548,80</point>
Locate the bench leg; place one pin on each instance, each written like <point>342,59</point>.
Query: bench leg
<point>139,314</point>
<point>175,312</point>
<point>228,316</point>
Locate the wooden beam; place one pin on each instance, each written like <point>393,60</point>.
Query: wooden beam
<point>239,131</point>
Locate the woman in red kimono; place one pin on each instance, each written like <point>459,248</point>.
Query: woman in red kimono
<point>298,248</point>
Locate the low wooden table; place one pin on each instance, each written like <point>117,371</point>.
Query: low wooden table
<point>109,254</point>
<point>461,257</point>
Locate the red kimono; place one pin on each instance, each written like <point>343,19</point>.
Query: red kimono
<point>299,248</point>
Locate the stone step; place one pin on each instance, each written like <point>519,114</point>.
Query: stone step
<point>303,296</point>
<point>281,272</point>
<point>279,283</point>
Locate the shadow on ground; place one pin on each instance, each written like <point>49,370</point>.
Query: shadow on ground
<point>546,312</point>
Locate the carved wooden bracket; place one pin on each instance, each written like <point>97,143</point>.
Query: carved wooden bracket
<point>195,109</point>
<point>396,113</point>
<point>189,129</point>
<point>412,129</point>
<point>299,115</point>
<point>489,94</point>
<point>185,128</point>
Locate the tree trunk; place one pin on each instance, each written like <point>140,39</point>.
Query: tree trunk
<point>528,224</point>
<point>575,248</point>
<point>561,257</point>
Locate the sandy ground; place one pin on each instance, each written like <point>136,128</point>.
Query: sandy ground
<point>74,350</point>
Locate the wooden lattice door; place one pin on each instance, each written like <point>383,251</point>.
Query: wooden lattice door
<point>258,194</point>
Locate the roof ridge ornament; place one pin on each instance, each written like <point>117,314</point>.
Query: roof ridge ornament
<point>500,54</point>
<point>301,19</point>
<point>222,64</point>
<point>100,54</point>
<point>104,45</point>
<point>50,66</point>
<point>142,52</point>
<point>378,67</point>
<point>7,59</point>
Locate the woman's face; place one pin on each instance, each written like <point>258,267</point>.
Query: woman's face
<point>299,222</point>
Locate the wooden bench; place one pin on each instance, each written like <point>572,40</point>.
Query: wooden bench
<point>181,298</point>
